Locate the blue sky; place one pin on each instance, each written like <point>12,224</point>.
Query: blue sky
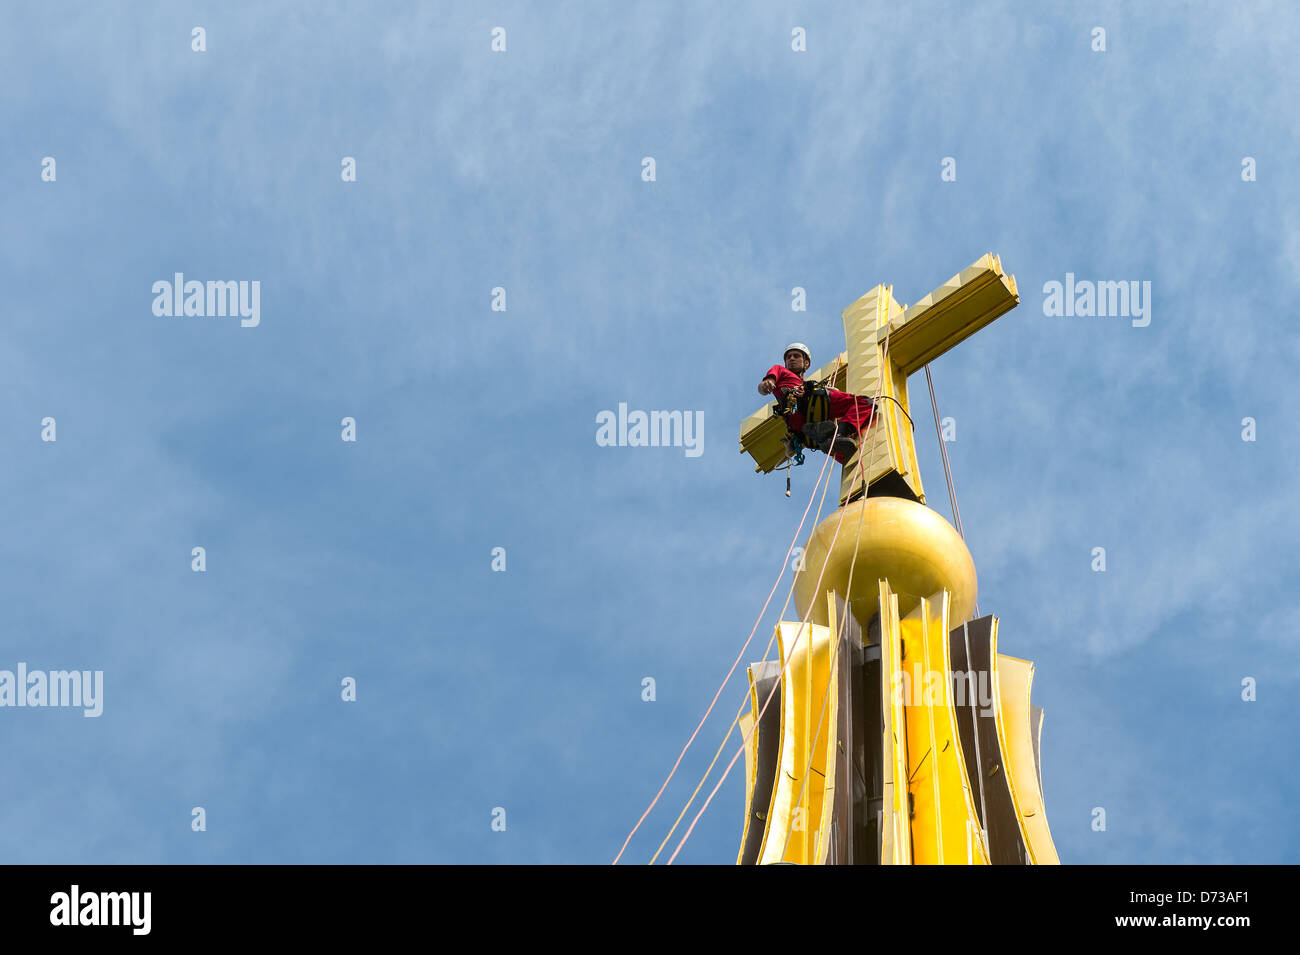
<point>476,428</point>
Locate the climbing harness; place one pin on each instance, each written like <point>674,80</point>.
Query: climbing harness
<point>812,400</point>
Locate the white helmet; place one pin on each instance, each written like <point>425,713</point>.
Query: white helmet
<point>798,346</point>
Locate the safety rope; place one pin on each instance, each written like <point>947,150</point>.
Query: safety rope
<point>848,597</point>
<point>947,469</point>
<point>812,746</point>
<point>802,624</point>
<point>766,652</point>
<point>721,746</point>
<point>830,670</point>
<point>798,636</point>
<point>785,561</point>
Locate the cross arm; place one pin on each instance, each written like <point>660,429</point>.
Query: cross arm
<point>953,312</point>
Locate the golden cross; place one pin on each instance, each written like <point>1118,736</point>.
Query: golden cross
<point>887,343</point>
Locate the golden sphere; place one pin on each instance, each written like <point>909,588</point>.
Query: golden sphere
<point>908,544</point>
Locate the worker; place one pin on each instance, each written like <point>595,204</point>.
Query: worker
<point>812,411</point>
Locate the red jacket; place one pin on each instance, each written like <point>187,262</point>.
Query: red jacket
<point>785,378</point>
<point>851,409</point>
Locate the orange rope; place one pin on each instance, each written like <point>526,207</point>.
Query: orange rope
<point>739,657</point>
<point>803,623</point>
<point>766,651</point>
<point>830,670</point>
<point>700,785</point>
<point>947,470</point>
<point>798,636</point>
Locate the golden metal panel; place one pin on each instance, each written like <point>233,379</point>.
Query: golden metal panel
<point>950,314</point>
<point>945,824</point>
<point>895,818</point>
<point>751,766</point>
<point>794,824</point>
<point>887,446</point>
<point>1012,683</point>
